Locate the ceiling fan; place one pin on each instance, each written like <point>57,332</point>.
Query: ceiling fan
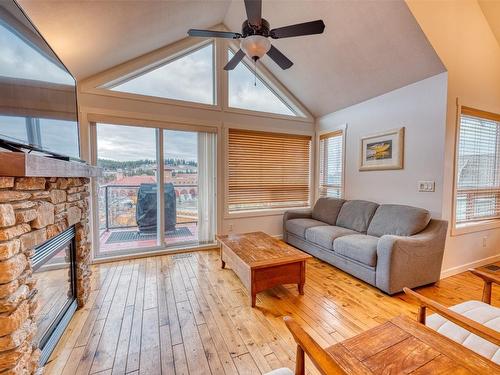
<point>254,35</point>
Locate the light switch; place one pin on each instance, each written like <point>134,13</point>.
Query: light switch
<point>426,186</point>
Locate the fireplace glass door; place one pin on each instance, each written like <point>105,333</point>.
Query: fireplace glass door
<point>53,266</point>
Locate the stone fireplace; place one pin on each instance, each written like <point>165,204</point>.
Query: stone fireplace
<point>34,210</point>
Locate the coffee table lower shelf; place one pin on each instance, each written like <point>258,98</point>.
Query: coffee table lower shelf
<point>258,280</point>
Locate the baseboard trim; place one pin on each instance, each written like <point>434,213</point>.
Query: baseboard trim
<point>478,263</point>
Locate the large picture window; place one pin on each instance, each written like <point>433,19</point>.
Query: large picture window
<point>478,156</point>
<point>267,170</point>
<point>331,164</point>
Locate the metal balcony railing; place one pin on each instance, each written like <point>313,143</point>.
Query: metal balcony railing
<point>118,203</point>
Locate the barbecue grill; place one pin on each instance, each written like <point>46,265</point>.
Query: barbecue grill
<point>146,211</point>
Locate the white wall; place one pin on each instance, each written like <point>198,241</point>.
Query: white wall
<point>421,109</point>
<point>461,36</point>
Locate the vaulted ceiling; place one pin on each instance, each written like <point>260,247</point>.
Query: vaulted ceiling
<point>491,10</point>
<point>368,48</point>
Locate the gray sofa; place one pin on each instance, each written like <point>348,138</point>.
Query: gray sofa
<point>389,246</point>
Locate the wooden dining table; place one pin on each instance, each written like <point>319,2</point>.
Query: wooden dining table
<point>404,346</point>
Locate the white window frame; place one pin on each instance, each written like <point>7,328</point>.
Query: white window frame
<point>343,128</point>
<point>458,229</point>
<point>162,248</point>
<point>97,85</point>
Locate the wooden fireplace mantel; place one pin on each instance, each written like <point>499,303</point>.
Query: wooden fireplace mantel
<point>19,164</point>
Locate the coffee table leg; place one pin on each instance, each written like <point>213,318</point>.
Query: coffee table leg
<point>223,264</point>
<point>301,288</point>
<point>302,277</point>
<point>253,291</point>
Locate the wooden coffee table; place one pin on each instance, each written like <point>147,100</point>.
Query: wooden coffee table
<point>262,261</point>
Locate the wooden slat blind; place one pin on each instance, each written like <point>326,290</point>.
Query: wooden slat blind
<point>331,164</point>
<point>268,170</point>
<point>478,179</point>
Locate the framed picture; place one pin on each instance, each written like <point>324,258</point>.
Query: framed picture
<point>382,151</point>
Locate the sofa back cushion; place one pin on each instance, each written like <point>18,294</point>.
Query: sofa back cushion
<point>398,220</point>
<point>327,210</point>
<point>356,215</point>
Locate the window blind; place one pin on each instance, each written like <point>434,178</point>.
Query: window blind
<point>267,170</point>
<point>331,164</point>
<point>478,156</point>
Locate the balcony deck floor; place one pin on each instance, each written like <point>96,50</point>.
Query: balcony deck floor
<point>105,247</point>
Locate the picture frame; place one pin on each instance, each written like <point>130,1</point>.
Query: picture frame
<point>382,151</point>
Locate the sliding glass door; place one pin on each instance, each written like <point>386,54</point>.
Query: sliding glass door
<point>138,214</point>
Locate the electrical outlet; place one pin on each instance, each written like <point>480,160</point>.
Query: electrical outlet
<point>230,227</point>
<point>426,186</point>
<point>485,241</point>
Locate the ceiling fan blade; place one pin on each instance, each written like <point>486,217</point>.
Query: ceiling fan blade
<point>279,58</point>
<point>214,34</point>
<point>235,60</point>
<point>306,28</point>
<point>254,11</point>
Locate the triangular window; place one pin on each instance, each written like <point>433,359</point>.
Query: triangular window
<point>250,92</point>
<point>189,78</point>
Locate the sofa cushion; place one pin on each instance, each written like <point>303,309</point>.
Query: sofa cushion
<point>480,312</point>
<point>398,220</point>
<point>356,215</point>
<point>359,247</point>
<point>327,210</point>
<point>299,226</point>
<point>325,235</point>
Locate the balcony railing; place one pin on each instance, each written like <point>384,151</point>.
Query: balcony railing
<point>118,204</point>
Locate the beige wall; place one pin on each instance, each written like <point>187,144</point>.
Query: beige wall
<point>421,109</point>
<point>461,36</point>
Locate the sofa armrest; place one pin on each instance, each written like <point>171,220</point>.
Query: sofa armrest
<point>295,214</point>
<point>411,261</point>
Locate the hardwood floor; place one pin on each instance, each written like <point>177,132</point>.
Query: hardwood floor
<point>183,314</point>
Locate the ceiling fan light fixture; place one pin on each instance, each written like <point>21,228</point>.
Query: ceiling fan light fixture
<point>255,46</point>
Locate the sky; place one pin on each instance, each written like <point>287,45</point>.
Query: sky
<point>118,142</point>
<point>20,60</point>
<point>188,78</point>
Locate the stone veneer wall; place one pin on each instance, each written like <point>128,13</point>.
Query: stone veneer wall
<point>32,210</point>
